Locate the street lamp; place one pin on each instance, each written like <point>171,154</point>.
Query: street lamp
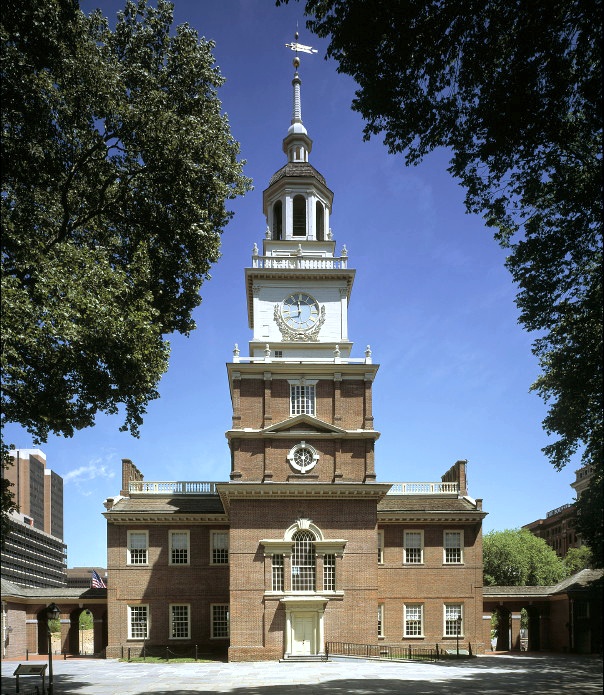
<point>458,621</point>
<point>53,612</point>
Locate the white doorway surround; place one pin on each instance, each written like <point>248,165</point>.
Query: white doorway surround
<point>304,631</point>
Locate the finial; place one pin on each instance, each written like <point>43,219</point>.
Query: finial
<point>255,250</point>
<point>236,353</point>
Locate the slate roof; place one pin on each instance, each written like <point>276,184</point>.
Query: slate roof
<point>178,504</point>
<point>581,581</point>
<point>50,593</point>
<point>427,503</point>
<point>294,169</point>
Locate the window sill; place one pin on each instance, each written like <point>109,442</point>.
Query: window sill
<point>418,637</point>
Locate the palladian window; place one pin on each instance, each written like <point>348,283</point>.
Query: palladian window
<point>303,561</point>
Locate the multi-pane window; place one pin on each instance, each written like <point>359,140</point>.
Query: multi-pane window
<point>380,617</point>
<point>303,561</point>
<point>302,399</point>
<point>453,620</point>
<point>179,621</point>
<point>179,547</point>
<point>138,620</point>
<point>220,547</point>
<point>380,539</point>
<point>329,572</point>
<point>278,574</point>
<point>138,544</point>
<point>414,620</point>
<point>220,620</point>
<point>453,547</point>
<point>413,549</point>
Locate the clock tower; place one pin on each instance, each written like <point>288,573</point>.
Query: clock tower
<point>302,497</point>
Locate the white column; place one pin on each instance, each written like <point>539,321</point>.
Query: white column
<point>289,216</point>
<point>321,645</point>
<point>344,310</point>
<point>311,207</point>
<point>288,629</point>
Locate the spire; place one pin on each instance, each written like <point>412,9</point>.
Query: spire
<point>297,144</point>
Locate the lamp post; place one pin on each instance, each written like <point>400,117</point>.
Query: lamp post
<point>456,636</point>
<point>53,613</point>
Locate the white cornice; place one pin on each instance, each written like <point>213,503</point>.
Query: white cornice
<point>435,517</point>
<point>165,518</point>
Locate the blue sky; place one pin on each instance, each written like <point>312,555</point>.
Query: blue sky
<point>431,297</point>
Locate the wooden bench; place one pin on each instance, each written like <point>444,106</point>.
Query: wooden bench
<point>31,670</point>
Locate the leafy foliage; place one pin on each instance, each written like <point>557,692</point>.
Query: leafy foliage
<point>117,166</point>
<point>514,91</point>
<point>577,559</point>
<point>86,620</point>
<point>515,557</point>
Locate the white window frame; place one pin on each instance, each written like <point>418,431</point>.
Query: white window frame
<point>180,622</point>
<point>447,621</point>
<point>406,560</point>
<point>136,608</point>
<point>277,572</point>
<point>450,547</point>
<point>214,620</point>
<point>187,534</point>
<point>380,547</point>
<point>130,549</point>
<point>407,620</point>
<point>380,620</point>
<point>329,572</point>
<point>302,397</point>
<point>213,535</point>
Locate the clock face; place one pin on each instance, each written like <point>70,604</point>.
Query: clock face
<point>300,311</point>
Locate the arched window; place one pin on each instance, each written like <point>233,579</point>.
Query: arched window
<point>299,216</point>
<point>320,222</point>
<point>303,561</point>
<point>277,221</point>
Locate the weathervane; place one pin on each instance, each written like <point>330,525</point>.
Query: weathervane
<point>300,47</point>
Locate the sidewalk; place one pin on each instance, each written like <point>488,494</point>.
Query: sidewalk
<point>496,675</point>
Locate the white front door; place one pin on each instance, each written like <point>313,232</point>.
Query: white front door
<point>303,628</point>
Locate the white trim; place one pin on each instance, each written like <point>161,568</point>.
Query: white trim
<point>380,546</point>
<point>213,535</point>
<point>171,616</point>
<point>421,619</point>
<point>188,548</point>
<point>217,605</point>
<point>461,612</point>
<point>128,548</point>
<point>147,620</point>
<point>461,546</point>
<point>421,547</point>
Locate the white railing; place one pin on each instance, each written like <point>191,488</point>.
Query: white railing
<point>305,360</point>
<point>424,489</point>
<point>300,262</point>
<point>184,487</point>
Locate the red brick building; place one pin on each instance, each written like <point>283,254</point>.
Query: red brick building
<point>302,546</point>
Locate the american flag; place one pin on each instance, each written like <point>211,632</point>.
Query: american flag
<point>96,582</point>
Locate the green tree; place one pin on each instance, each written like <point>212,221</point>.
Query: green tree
<point>86,621</point>
<point>577,559</point>
<point>117,165</point>
<point>513,91</point>
<point>515,557</point>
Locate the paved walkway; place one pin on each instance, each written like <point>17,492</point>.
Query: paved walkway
<point>486,675</point>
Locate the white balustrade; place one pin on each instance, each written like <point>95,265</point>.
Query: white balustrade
<point>300,262</point>
<point>438,488</point>
<point>179,487</point>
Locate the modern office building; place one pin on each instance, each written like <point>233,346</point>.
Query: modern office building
<point>34,553</point>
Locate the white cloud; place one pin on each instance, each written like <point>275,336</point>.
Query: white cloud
<point>95,469</point>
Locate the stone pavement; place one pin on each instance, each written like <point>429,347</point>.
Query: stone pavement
<point>533,674</point>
